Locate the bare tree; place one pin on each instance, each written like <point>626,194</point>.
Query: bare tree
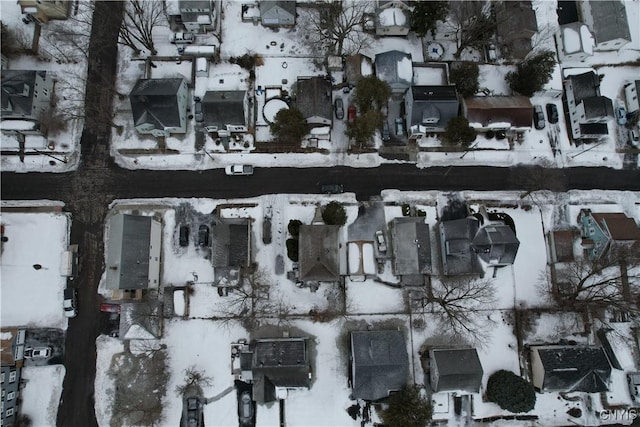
<point>68,41</point>
<point>474,23</point>
<point>337,27</point>
<point>461,304</point>
<point>543,176</point>
<point>194,379</point>
<point>140,18</point>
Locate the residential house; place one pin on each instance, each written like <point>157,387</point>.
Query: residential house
<point>575,42</point>
<point>133,253</point>
<point>589,112</point>
<point>498,112</point>
<point>631,90</point>
<point>313,99</point>
<point>26,98</point>
<point>224,112</point>
<point>496,244</point>
<point>379,364</point>
<point>278,364</point>
<point>393,18</point>
<point>604,232</point>
<point>516,27</point>
<point>12,342</point>
<point>280,13</point>
<point>159,106</point>
<point>230,248</point>
<point>455,245</point>
<point>394,67</point>
<point>429,108</point>
<point>197,16</point>
<point>455,369</point>
<point>411,246</point>
<point>141,320</point>
<point>561,246</point>
<point>319,253</point>
<point>45,10</point>
<point>558,368</point>
<point>357,66</point>
<point>608,22</point>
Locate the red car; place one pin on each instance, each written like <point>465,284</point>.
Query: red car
<point>351,113</point>
<point>110,308</point>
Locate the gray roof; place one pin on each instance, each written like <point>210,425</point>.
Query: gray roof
<point>221,108</point>
<point>313,97</point>
<point>353,67</point>
<point>14,99</point>
<point>128,252</point>
<point>585,85</point>
<point>155,101</point>
<point>144,317</point>
<point>609,20</point>
<point>390,68</point>
<point>455,243</point>
<point>207,5</point>
<point>574,368</point>
<point>230,242</point>
<point>379,363</point>
<point>411,246</point>
<point>434,101</point>
<point>496,244</point>
<point>282,10</point>
<point>597,106</point>
<point>457,369</point>
<point>318,253</point>
<point>517,26</point>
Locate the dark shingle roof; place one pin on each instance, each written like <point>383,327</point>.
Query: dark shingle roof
<point>496,244</point>
<point>457,369</point>
<point>516,110</point>
<point>411,246</point>
<point>221,108</point>
<point>318,253</point>
<point>14,98</point>
<point>455,241</point>
<point>313,97</point>
<point>574,368</point>
<point>597,106</point>
<point>230,242</point>
<point>609,20</point>
<point>134,260</point>
<point>155,101</point>
<point>584,85</point>
<point>434,101</point>
<point>380,363</point>
<point>618,225</point>
<point>390,67</point>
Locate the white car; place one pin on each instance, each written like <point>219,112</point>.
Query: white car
<point>37,352</point>
<point>239,170</point>
<point>380,241</point>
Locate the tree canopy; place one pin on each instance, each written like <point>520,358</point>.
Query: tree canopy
<point>426,14</point>
<point>532,74</point>
<point>465,76</point>
<point>458,132</point>
<point>371,94</point>
<point>363,127</point>
<point>334,214</point>
<point>289,126</point>
<point>511,392</point>
<point>407,409</point>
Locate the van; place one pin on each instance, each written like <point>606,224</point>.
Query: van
<point>69,262</point>
<point>182,38</point>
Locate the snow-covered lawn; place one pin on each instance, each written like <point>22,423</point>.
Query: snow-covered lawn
<point>41,393</point>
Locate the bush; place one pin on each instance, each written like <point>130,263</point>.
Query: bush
<point>465,77</point>
<point>407,409</point>
<point>532,74</point>
<point>458,132</point>
<point>288,126</point>
<point>334,214</point>
<point>292,249</point>
<point>294,227</point>
<point>511,392</point>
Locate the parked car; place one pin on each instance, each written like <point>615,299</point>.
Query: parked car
<point>351,113</point>
<point>184,235</point>
<point>621,116</point>
<point>194,413</point>
<point>37,352</point>
<point>634,137</point>
<point>245,408</point>
<point>552,113</point>
<point>339,108</point>
<point>197,112</point>
<point>538,117</point>
<point>239,170</point>
<point>106,307</point>
<point>380,241</point>
<point>385,131</point>
<point>633,379</point>
<point>182,38</point>
<point>203,235</point>
<point>399,123</point>
<point>331,188</point>
<point>70,302</point>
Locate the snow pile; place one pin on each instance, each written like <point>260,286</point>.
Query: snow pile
<point>392,16</point>
<point>571,40</point>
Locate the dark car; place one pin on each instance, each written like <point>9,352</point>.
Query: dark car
<point>245,409</point>
<point>538,117</point>
<point>203,235</point>
<point>385,131</point>
<point>552,113</point>
<point>198,115</point>
<point>184,235</point>
<point>351,113</point>
<point>332,188</point>
<point>339,107</point>
<point>399,127</point>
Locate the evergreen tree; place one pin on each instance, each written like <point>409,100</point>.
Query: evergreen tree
<point>407,409</point>
<point>532,74</point>
<point>294,227</point>
<point>426,14</point>
<point>465,76</point>
<point>371,94</point>
<point>292,249</point>
<point>458,132</point>
<point>511,392</point>
<point>334,214</point>
<point>289,126</point>
<point>363,127</point>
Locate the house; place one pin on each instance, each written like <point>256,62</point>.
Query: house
<point>569,368</point>
<point>45,10</point>
<point>280,13</point>
<point>608,22</point>
<point>133,253</point>
<point>313,99</point>
<point>455,369</point>
<point>357,66</point>
<point>411,246</point>
<point>589,112</point>
<point>278,364</point>
<point>230,248</point>
<point>575,42</point>
<point>631,90</point>
<point>429,108</point>
<point>394,67</point>
<point>12,343</point>
<point>379,364</point>
<point>561,246</point>
<point>224,112</point>
<point>392,18</point>
<point>26,94</point>
<point>496,244</point>
<point>198,16</point>
<point>318,253</point>
<point>159,106</point>
<point>141,320</point>
<point>604,232</point>
<point>516,27</point>
<point>498,112</point>
<point>455,246</point>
